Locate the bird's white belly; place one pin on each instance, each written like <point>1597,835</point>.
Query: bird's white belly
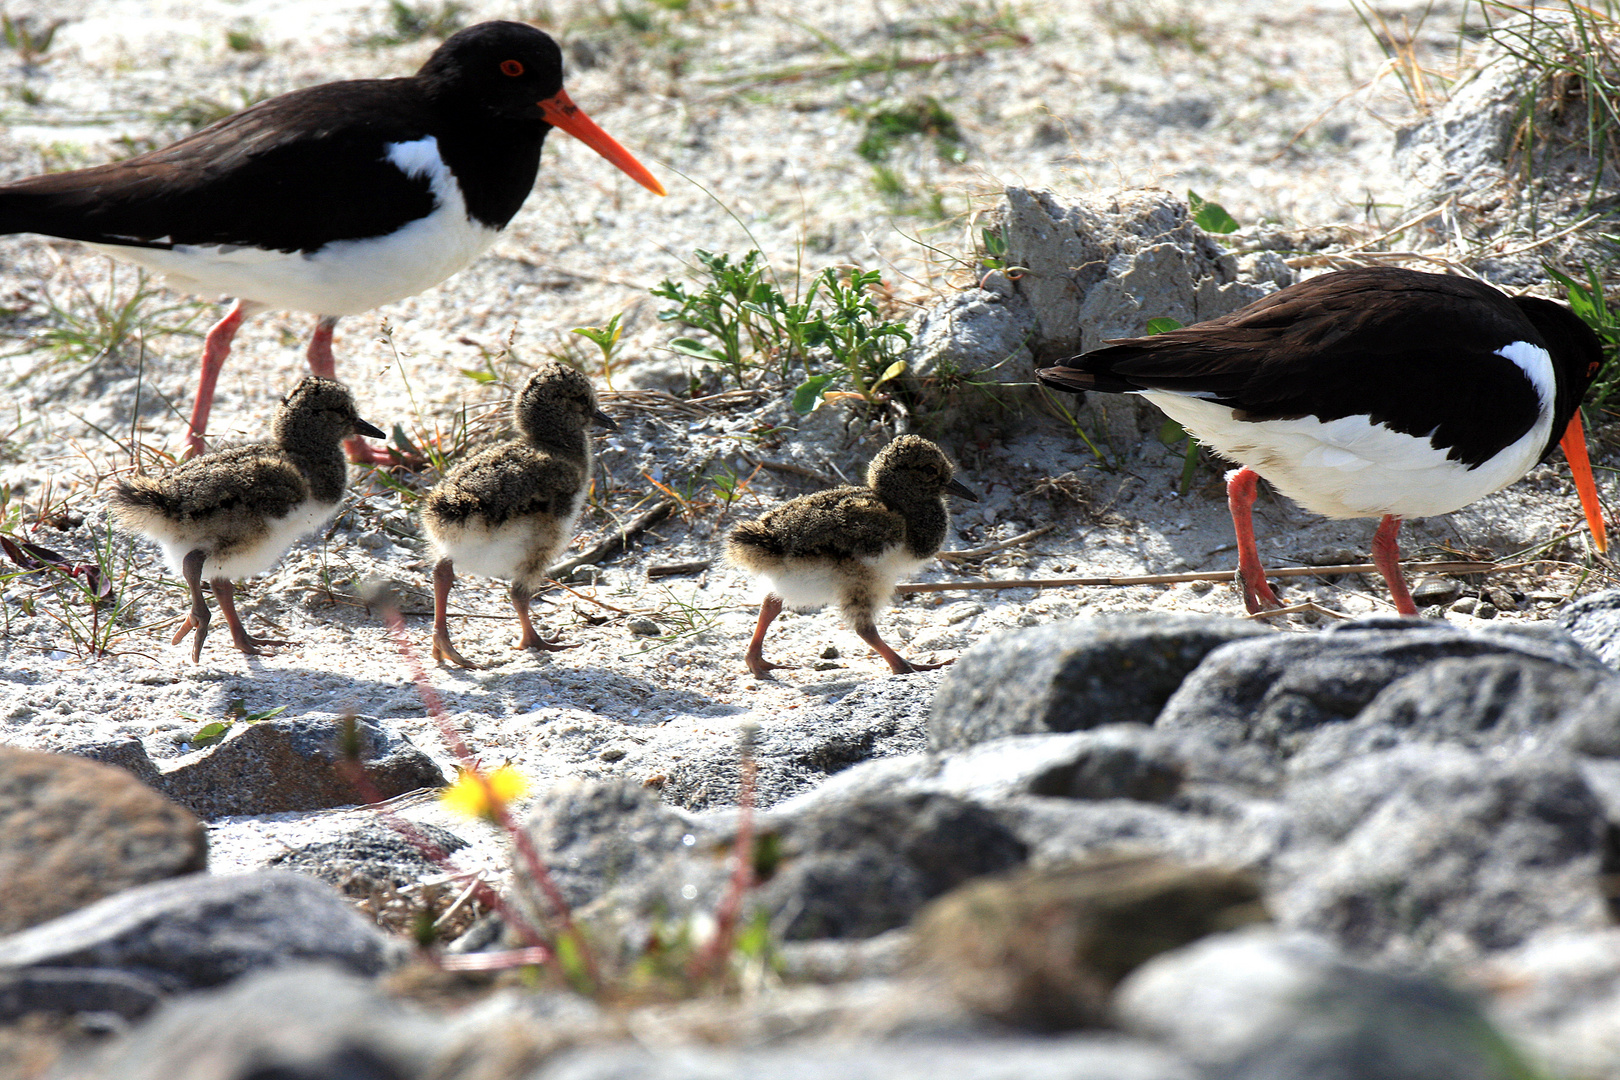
<point>511,550</point>
<point>1349,467</point>
<point>249,559</point>
<point>345,277</point>
<point>807,584</point>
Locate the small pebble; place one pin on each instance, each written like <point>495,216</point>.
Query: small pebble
<point>963,612</point>
<point>642,626</point>
<point>828,665</point>
<point>830,653</point>
<point>612,753</point>
<point>1436,591</point>
<point>1465,605</point>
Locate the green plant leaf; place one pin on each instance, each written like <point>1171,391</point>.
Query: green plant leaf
<point>1210,216</point>
<point>209,734</point>
<point>1162,325</point>
<point>807,395</point>
<point>690,347</point>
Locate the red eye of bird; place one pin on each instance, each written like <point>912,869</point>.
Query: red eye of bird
<point>511,67</point>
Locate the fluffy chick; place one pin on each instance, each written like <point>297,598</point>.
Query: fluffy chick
<point>236,511</point>
<point>850,546</point>
<point>509,511</point>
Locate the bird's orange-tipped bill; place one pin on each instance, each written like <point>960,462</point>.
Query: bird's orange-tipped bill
<point>1574,444</point>
<point>561,112</point>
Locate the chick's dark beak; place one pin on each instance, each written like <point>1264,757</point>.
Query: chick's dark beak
<point>370,431</point>
<point>602,419</point>
<point>960,490</point>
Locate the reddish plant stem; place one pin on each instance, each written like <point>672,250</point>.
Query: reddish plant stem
<point>532,863</point>
<point>712,958</point>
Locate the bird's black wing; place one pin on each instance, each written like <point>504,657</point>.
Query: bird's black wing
<point>289,174</point>
<point>1415,352</point>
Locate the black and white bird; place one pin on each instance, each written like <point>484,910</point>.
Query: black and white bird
<point>334,199</point>
<point>850,546</point>
<point>509,511</point>
<point>1375,392</point>
<point>233,513</point>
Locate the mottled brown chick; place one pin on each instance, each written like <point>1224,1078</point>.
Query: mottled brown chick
<point>236,511</point>
<point>509,511</point>
<point>850,546</point>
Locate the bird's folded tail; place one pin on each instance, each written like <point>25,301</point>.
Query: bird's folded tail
<point>751,534</point>
<point>1075,380</point>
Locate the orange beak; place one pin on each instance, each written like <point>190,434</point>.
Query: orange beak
<point>561,112</point>
<point>1574,444</point>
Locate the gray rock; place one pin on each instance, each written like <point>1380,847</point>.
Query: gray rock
<point>126,753</point>
<point>1276,690</point>
<point>1594,621</point>
<point>200,931</point>
<point>858,868</point>
<point>1096,268</point>
<point>800,748</point>
<point>285,764</point>
<point>375,856</point>
<point>1477,701</point>
<point>1462,147</point>
<point>73,831</point>
<point>1214,999</point>
<point>1074,675</point>
<point>843,867</point>
<point>1469,154</point>
<point>594,835</point>
<point>1263,1005</point>
<point>303,1021</point>
<point>1203,825</point>
<point>75,991</point>
<point>1097,1057</point>
<point>1441,852</point>
<point>973,330</point>
<point>1559,996</point>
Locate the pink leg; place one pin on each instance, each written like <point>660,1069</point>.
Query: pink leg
<point>320,357</point>
<point>897,663</point>
<point>225,593</point>
<point>1387,557</point>
<point>1240,494</point>
<point>444,576</point>
<point>755,657</point>
<point>324,364</point>
<point>216,347</point>
<point>529,638</point>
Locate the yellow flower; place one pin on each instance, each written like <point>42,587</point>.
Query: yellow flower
<point>471,796</point>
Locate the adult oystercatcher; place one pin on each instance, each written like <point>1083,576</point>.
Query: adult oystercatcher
<point>233,513</point>
<point>850,545</point>
<point>332,199</point>
<point>1376,392</point>
<point>510,510</point>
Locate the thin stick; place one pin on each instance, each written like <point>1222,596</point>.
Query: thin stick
<point>786,467</point>
<point>677,569</point>
<point>1212,575</point>
<point>1000,545</point>
<point>1295,609</point>
<point>615,543</point>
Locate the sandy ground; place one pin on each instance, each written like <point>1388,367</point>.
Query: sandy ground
<point>751,116</point>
